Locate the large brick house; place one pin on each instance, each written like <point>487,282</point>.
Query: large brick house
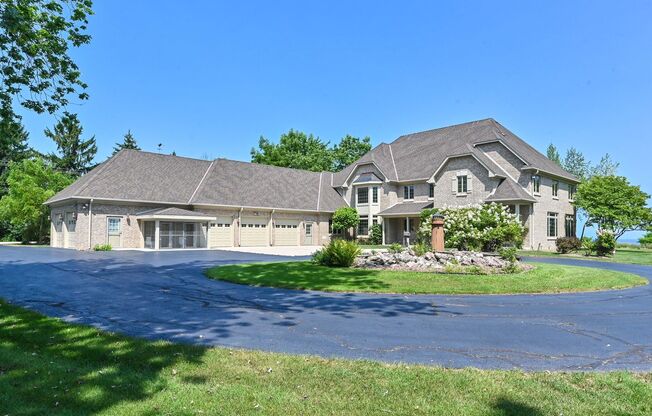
<point>146,200</point>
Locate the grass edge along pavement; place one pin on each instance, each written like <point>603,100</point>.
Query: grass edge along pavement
<point>48,366</point>
<point>304,275</point>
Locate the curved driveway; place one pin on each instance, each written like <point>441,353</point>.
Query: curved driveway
<point>163,295</point>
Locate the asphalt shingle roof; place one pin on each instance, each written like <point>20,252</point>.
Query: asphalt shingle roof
<point>417,155</point>
<point>133,175</point>
<point>174,211</point>
<point>407,208</point>
<point>508,190</point>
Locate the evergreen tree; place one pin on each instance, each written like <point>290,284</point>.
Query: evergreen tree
<point>575,163</point>
<point>128,142</point>
<point>75,155</point>
<point>553,154</point>
<point>13,144</point>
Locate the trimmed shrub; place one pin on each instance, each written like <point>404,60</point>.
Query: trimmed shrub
<point>102,247</point>
<point>420,249</point>
<point>395,248</point>
<point>339,253</point>
<point>508,254</point>
<point>345,218</point>
<point>568,244</point>
<point>605,243</point>
<point>477,227</point>
<point>376,234</point>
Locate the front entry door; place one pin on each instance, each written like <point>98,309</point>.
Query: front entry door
<point>114,231</point>
<point>308,239</point>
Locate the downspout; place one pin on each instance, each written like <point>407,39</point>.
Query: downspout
<point>240,227</point>
<point>271,228</point>
<point>90,224</point>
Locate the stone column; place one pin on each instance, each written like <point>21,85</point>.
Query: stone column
<point>437,239</point>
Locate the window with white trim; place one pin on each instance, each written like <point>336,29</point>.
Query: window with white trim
<point>374,220</point>
<point>552,224</point>
<point>555,189</point>
<point>363,226</point>
<point>572,188</point>
<point>462,184</point>
<point>536,184</point>
<point>431,190</point>
<point>569,225</point>
<point>363,196</point>
<point>408,192</point>
<point>374,195</point>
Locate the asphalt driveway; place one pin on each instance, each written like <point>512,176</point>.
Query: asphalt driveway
<point>164,295</point>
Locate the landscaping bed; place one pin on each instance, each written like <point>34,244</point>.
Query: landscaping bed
<point>543,278</point>
<point>48,366</point>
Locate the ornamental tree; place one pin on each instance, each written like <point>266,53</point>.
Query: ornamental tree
<point>613,204</point>
<point>345,218</point>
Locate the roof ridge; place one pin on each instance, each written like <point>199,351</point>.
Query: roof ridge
<point>200,182</point>
<point>391,153</point>
<point>467,123</point>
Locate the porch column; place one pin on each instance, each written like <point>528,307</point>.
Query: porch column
<point>407,226</point>
<point>156,236</point>
<point>382,221</point>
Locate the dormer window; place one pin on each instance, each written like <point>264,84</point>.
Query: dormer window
<point>408,192</point>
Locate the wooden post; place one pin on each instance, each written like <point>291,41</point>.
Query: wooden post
<point>437,238</point>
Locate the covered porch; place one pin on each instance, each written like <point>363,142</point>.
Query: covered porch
<point>401,222</point>
<point>174,228</point>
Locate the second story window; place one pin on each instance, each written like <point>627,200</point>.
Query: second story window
<point>363,196</point>
<point>431,190</point>
<point>374,195</point>
<point>462,184</point>
<point>408,192</point>
<point>555,189</point>
<point>536,184</point>
<point>571,191</point>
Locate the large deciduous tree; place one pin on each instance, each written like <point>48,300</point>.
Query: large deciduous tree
<point>31,183</point>
<point>613,204</point>
<point>299,150</point>
<point>348,150</point>
<point>296,150</point>
<point>128,142</point>
<point>35,38</point>
<point>74,155</point>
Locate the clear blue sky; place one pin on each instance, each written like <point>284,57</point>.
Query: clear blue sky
<point>208,77</point>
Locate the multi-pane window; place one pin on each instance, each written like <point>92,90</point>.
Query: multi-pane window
<point>431,191</point>
<point>374,195</point>
<point>555,189</point>
<point>571,191</point>
<point>363,196</point>
<point>569,225</point>
<point>536,184</point>
<point>408,192</point>
<point>363,226</point>
<point>552,224</point>
<point>462,184</point>
<point>374,220</point>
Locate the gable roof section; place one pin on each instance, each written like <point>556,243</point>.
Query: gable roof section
<point>138,176</point>
<point>508,190</point>
<point>133,175</point>
<point>416,156</point>
<point>242,184</point>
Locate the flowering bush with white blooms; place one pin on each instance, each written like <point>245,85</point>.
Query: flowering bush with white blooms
<point>485,227</point>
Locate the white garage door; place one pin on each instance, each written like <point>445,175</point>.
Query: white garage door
<point>220,233</point>
<point>286,232</point>
<point>254,232</point>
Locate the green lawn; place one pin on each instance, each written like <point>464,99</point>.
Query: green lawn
<point>51,367</point>
<point>545,278</point>
<point>623,255</point>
